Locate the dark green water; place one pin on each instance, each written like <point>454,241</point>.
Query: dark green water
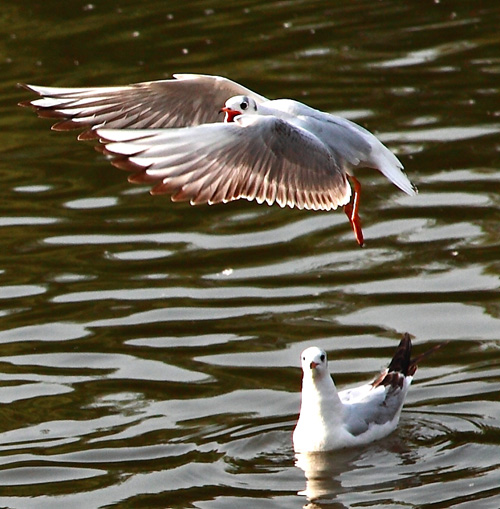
<point>150,350</point>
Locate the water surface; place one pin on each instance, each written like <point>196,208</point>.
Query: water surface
<point>150,349</point>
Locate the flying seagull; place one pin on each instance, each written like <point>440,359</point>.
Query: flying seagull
<point>171,133</point>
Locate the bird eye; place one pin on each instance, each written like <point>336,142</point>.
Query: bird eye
<point>322,357</point>
<point>304,358</point>
<point>243,105</point>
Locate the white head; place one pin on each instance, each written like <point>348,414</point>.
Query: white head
<point>239,105</point>
<point>314,362</point>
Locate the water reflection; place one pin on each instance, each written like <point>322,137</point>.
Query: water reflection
<point>330,476</point>
<point>322,471</point>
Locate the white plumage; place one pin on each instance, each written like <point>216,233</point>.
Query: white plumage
<point>331,420</point>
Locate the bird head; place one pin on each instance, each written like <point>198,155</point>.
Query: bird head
<point>314,362</point>
<point>238,105</point>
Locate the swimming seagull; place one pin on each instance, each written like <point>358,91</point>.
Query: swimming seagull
<point>331,420</point>
<point>170,133</point>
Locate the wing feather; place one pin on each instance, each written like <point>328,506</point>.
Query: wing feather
<point>186,100</point>
<point>260,158</point>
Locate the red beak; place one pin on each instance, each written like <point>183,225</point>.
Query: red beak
<point>313,365</point>
<point>230,114</point>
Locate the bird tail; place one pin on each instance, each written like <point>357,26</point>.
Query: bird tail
<point>402,361</point>
<point>402,364</point>
<point>390,166</point>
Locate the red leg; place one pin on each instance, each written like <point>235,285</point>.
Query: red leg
<point>351,210</point>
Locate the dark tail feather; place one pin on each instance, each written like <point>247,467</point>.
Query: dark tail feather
<point>402,361</point>
<point>414,362</point>
<point>402,365</point>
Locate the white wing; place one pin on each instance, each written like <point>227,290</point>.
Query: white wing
<point>186,100</point>
<point>260,158</point>
<point>368,405</point>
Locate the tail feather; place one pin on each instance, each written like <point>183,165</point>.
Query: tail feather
<point>402,364</point>
<point>414,362</point>
<point>402,358</point>
<point>390,166</point>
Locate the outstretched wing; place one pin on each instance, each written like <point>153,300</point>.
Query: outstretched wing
<point>186,100</point>
<point>260,158</point>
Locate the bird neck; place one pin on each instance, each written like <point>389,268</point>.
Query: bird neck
<point>320,396</point>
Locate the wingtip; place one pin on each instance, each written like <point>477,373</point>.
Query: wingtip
<point>25,104</point>
<point>406,345</point>
<point>407,186</point>
<point>25,86</point>
<point>415,361</point>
